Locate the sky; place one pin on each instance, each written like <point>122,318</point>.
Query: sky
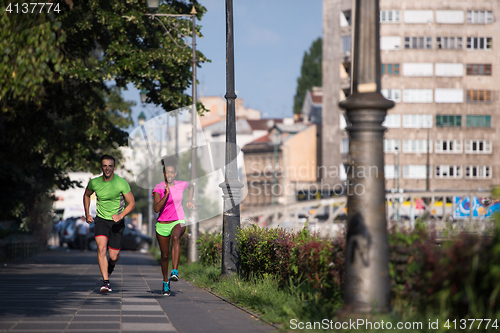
<point>270,38</point>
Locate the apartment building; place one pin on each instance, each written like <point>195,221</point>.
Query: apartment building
<point>440,65</point>
<point>281,164</point>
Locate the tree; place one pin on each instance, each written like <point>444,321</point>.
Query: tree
<point>57,112</point>
<point>310,74</point>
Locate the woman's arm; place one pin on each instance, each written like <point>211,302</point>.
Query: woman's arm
<point>190,204</point>
<point>159,202</point>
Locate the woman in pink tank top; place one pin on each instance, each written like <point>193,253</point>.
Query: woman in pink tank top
<point>168,204</point>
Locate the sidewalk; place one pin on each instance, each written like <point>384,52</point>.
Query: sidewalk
<point>58,291</point>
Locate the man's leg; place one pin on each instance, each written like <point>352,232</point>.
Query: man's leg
<point>114,255</point>
<point>102,246</point>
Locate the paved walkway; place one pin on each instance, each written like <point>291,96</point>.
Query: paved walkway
<point>58,291</point>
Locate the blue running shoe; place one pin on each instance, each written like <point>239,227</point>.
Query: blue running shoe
<point>174,276</point>
<point>166,288</point>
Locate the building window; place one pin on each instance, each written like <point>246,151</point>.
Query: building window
<point>479,43</point>
<point>448,95</point>
<point>478,121</point>
<point>391,145</point>
<point>448,146</point>
<point>390,43</point>
<point>392,121</point>
<point>478,147</point>
<point>345,18</point>
<point>392,94</point>
<point>418,16</point>
<point>418,42</point>
<point>450,16</point>
<point>390,171</point>
<point>449,69</point>
<point>478,69</point>
<point>415,172</point>
<point>343,121</point>
<point>344,146</point>
<point>479,16</point>
<point>417,96</point>
<point>448,121</point>
<point>448,171</point>
<point>478,171</point>
<point>417,69</point>
<point>449,43</point>
<point>480,96</point>
<point>390,16</point>
<point>346,45</point>
<point>390,69</point>
<point>417,121</point>
<point>416,146</point>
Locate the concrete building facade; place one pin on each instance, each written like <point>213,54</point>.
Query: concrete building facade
<point>440,66</point>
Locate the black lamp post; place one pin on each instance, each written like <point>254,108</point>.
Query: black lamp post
<point>367,280</point>
<point>231,187</point>
<point>142,121</point>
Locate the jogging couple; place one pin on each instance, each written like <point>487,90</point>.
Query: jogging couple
<point>112,191</point>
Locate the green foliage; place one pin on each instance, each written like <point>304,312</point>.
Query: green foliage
<point>210,248</point>
<point>297,260</point>
<point>58,112</point>
<point>310,74</point>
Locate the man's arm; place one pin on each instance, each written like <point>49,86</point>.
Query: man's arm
<point>129,198</point>
<point>86,205</point>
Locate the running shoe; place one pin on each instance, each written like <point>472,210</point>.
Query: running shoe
<point>106,287</point>
<point>166,288</point>
<point>174,275</point>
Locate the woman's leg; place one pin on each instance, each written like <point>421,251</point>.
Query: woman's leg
<point>164,243</point>
<point>176,244</point>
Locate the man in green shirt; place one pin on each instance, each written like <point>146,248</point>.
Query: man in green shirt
<point>112,191</point>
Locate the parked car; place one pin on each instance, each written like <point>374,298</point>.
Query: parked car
<point>132,239</point>
<point>68,234</point>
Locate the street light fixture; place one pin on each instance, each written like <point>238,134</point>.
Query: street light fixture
<point>142,119</point>
<point>173,26</point>
<point>144,95</point>
<point>153,4</point>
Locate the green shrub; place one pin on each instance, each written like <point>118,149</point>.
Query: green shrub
<point>265,251</point>
<point>303,260</point>
<point>210,248</point>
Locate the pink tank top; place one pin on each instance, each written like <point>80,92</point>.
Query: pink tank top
<point>172,211</point>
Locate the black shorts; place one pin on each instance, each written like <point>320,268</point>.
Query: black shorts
<point>112,230</point>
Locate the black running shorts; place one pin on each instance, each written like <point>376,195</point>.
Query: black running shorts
<point>112,230</point>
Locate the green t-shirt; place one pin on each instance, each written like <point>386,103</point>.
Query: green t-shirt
<point>110,199</point>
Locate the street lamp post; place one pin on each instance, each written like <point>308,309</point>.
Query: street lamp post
<point>397,175</point>
<point>153,5</point>
<point>367,280</point>
<point>231,187</point>
<point>276,140</point>
<point>142,121</point>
